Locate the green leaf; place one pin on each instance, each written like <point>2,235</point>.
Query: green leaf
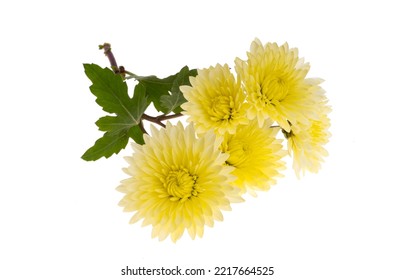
<point>138,104</point>
<point>114,124</point>
<point>112,95</point>
<point>158,90</point>
<point>173,102</point>
<point>106,146</point>
<point>136,134</point>
<point>182,78</point>
<point>109,88</point>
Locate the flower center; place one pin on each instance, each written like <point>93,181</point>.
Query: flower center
<point>239,152</point>
<point>274,88</point>
<point>222,107</point>
<point>180,184</point>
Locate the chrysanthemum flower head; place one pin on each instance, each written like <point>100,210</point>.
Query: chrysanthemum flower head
<point>178,182</point>
<point>306,142</point>
<point>256,155</point>
<point>274,78</point>
<point>215,100</point>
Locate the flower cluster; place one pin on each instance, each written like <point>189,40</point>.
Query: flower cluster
<point>182,178</point>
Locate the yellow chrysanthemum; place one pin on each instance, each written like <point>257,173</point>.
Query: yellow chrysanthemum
<point>274,79</point>
<point>215,100</point>
<point>178,182</point>
<point>306,141</point>
<point>256,155</point>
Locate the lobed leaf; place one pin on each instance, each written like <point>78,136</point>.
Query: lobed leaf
<point>160,91</point>
<point>111,91</point>
<point>112,94</point>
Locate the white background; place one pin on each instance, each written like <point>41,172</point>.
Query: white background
<point>59,217</point>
